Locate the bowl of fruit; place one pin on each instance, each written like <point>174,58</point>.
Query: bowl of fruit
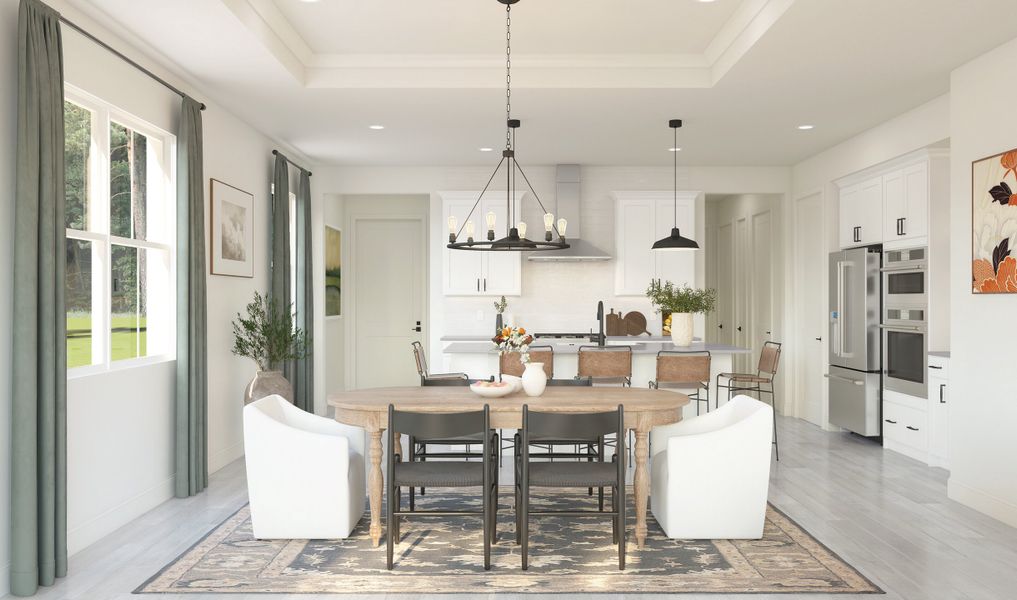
<point>492,389</point>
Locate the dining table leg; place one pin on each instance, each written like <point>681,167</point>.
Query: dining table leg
<point>642,484</point>
<point>375,482</point>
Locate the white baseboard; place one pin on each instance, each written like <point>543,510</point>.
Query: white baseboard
<point>85,534</point>
<point>224,457</point>
<point>997,508</point>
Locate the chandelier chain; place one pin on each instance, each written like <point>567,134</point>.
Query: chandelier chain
<point>508,74</point>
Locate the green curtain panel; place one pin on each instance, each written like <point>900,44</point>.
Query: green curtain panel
<point>192,364</point>
<point>303,369</point>
<point>279,282</point>
<point>39,412</point>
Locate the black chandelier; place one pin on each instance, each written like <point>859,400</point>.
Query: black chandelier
<point>516,239</point>
<point>675,241</point>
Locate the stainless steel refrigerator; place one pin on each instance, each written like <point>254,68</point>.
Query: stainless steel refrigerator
<point>855,342</point>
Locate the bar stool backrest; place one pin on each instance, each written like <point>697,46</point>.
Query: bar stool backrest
<point>510,363</point>
<point>418,356</point>
<point>769,358</point>
<point>605,362</point>
<point>683,367</point>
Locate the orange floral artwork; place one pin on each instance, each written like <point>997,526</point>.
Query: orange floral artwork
<point>994,224</point>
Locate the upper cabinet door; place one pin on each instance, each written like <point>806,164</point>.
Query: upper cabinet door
<point>678,266</point>
<point>916,201</point>
<point>850,221</point>
<point>870,206</point>
<point>462,269</point>
<point>502,271</point>
<point>894,204</point>
<point>635,264</point>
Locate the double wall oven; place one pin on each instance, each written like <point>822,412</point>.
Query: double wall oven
<point>904,325</point>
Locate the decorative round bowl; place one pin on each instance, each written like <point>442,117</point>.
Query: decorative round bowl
<point>490,389</point>
<point>517,382</point>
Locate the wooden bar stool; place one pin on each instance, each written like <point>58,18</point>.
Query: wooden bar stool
<point>761,382</point>
<point>607,365</point>
<point>510,363</point>
<point>685,371</point>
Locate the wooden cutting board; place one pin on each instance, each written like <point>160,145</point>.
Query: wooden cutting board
<point>635,323</point>
<point>613,324</point>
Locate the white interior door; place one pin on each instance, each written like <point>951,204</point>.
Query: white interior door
<point>810,313</point>
<point>388,261</point>
<point>761,277</point>
<point>725,284</point>
<point>742,296</point>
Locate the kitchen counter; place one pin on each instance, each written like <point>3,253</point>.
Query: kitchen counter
<point>638,347</point>
<point>479,359</point>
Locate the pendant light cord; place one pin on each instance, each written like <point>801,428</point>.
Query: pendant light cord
<point>675,150</point>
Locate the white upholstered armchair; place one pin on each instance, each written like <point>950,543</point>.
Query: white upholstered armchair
<point>711,474</point>
<point>305,473</point>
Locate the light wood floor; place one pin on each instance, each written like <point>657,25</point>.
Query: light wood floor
<point>885,514</point>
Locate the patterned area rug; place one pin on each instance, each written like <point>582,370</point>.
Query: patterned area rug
<point>445,555</point>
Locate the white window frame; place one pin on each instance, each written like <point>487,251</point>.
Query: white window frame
<point>98,230</point>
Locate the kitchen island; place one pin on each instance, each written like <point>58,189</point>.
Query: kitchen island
<point>479,359</point>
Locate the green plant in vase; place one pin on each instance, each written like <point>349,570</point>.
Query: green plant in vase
<point>267,336</point>
<point>677,304</point>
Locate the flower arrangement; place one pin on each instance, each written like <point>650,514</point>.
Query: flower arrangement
<point>514,339</point>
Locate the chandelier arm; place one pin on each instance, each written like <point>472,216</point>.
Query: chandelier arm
<point>482,192</point>
<point>536,197</point>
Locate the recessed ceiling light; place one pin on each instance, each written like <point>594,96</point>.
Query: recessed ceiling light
<point>674,149</point>
<point>377,127</point>
<point>486,149</point>
<point>805,127</point>
<point>313,1</point>
<point>703,1</point>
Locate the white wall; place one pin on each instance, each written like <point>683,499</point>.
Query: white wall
<point>120,425</point>
<point>983,414</point>
<point>558,296</point>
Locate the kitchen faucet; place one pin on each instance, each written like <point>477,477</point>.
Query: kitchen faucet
<point>601,341</point>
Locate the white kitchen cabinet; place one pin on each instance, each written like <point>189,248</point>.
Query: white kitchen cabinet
<point>939,411</point>
<point>469,273</point>
<point>905,426</point>
<point>906,203</point>
<point>861,213</point>
<point>641,218</point>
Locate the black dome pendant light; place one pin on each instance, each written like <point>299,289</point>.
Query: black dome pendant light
<point>675,241</point>
<point>516,239</point>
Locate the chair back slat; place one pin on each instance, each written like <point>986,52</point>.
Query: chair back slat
<point>769,358</point>
<point>438,425</point>
<point>572,425</point>
<point>576,381</point>
<point>418,356</point>
<point>605,362</point>
<point>683,367</point>
<point>509,363</point>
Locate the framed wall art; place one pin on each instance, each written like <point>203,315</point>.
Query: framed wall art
<point>994,224</point>
<point>232,229</point>
<point>333,272</point>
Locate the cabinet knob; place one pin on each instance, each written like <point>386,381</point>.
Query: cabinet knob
<point>890,421</point>
<point>912,428</point>
<point>739,328</point>
<point>819,339</point>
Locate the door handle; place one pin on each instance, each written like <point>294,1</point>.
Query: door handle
<point>819,339</point>
<point>739,328</point>
<point>857,234</point>
<point>942,387</point>
<point>485,284</point>
<point>839,378</point>
<point>767,333</point>
<point>478,284</point>
<point>720,326</point>
<point>417,329</point>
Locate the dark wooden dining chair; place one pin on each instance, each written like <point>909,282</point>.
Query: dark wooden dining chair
<point>441,474</point>
<point>598,474</point>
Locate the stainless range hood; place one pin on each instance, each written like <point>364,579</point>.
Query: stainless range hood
<point>567,196</point>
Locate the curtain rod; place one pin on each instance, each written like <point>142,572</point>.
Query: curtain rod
<point>286,158</point>
<point>124,58</point>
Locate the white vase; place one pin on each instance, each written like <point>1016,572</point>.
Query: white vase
<point>534,379</point>
<point>681,329</point>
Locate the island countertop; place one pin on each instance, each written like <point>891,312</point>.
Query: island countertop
<point>638,347</point>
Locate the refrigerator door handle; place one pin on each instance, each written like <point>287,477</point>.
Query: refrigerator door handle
<point>840,378</point>
<point>840,307</point>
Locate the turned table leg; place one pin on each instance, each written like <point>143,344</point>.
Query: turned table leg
<point>375,481</point>
<point>642,484</point>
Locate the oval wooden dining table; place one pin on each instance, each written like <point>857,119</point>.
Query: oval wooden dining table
<point>644,409</point>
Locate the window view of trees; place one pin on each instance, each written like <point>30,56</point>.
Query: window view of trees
<point>90,242</point>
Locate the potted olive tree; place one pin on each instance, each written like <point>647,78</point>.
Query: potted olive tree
<point>676,306</point>
<point>267,336</point>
